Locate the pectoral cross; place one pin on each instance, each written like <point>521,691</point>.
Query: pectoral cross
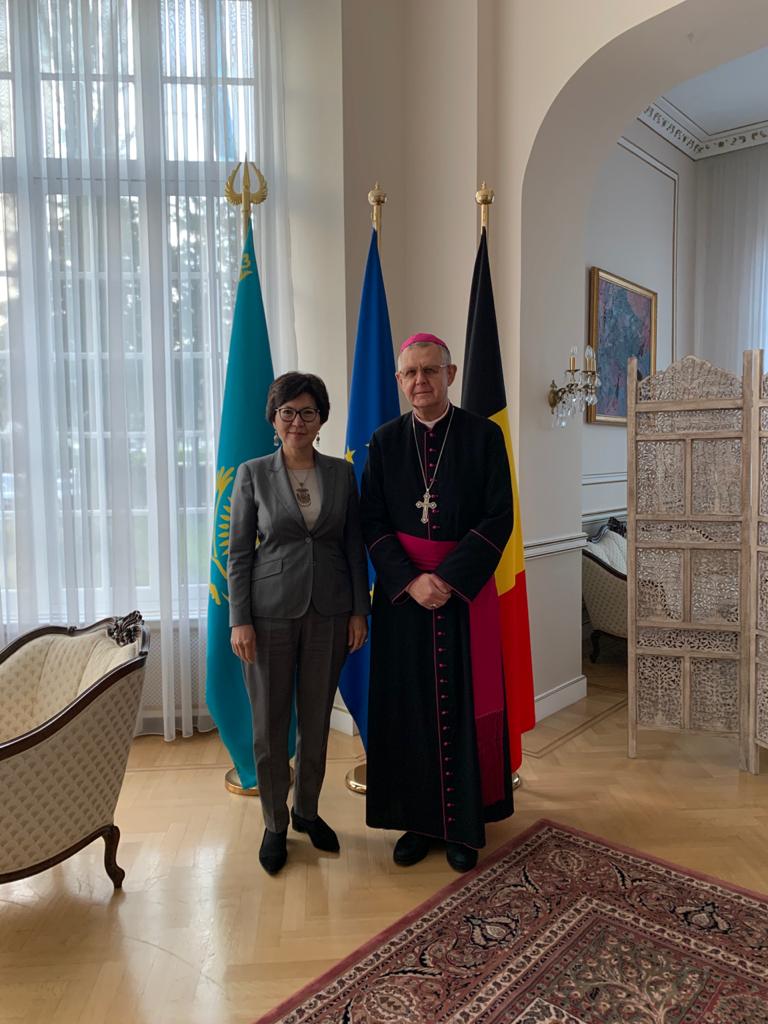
<point>426,506</point>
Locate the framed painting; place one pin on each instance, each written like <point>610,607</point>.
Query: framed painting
<point>622,323</point>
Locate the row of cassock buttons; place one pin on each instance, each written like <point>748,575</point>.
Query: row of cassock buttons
<point>447,758</point>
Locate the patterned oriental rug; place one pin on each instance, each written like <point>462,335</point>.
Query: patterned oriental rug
<point>558,927</point>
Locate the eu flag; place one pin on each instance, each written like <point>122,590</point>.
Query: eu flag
<point>245,434</point>
<point>372,401</point>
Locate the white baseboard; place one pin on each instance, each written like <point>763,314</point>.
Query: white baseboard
<point>343,721</point>
<point>561,696</point>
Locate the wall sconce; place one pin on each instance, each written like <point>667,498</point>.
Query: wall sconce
<point>579,388</point>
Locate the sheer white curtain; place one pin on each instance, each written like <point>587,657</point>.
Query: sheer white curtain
<point>732,256</point>
<point>119,258</point>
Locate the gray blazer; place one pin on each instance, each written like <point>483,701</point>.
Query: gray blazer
<point>293,566</point>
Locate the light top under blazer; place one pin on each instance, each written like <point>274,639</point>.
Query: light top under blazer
<point>292,566</point>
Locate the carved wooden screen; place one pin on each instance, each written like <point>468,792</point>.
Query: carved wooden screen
<point>688,523</point>
<point>757,717</point>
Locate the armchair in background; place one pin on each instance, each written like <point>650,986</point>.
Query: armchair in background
<point>68,705</point>
<point>604,583</point>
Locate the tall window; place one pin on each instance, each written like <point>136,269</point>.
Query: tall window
<point>119,122</point>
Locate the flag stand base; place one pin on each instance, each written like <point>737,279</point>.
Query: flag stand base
<point>357,778</point>
<point>232,784</point>
<point>516,780</point>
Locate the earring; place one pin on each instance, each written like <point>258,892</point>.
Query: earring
<point>317,440</point>
<point>276,441</point>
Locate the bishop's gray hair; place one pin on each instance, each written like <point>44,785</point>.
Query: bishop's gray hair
<point>445,351</point>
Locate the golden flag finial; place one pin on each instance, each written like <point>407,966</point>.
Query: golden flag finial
<point>245,197</point>
<point>377,198</point>
<point>484,197</point>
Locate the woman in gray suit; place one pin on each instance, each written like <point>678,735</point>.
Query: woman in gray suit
<point>298,591</point>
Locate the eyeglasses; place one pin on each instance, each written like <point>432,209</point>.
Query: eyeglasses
<point>288,414</point>
<point>430,371</point>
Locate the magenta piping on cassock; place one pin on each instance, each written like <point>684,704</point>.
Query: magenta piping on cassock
<point>495,548</point>
<point>379,540</point>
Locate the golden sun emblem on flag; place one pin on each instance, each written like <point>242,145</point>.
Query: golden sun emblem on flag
<point>222,516</point>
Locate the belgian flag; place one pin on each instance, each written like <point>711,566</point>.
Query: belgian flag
<point>482,392</point>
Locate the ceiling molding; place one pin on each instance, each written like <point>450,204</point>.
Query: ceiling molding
<point>691,139</point>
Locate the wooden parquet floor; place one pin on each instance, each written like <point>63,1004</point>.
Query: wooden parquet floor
<point>201,934</point>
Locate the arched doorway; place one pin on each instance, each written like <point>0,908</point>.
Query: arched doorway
<point>577,134</point>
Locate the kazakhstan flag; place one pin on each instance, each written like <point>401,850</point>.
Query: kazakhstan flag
<point>245,434</point>
<point>372,401</point>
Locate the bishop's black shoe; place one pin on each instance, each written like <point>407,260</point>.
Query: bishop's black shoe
<point>460,857</point>
<point>273,853</point>
<point>320,832</point>
<point>410,848</point>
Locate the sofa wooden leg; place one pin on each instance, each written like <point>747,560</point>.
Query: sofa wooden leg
<point>113,869</point>
<point>595,652</point>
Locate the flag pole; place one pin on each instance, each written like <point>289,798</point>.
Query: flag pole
<point>247,199</point>
<point>357,777</point>
<point>484,198</point>
<point>377,198</point>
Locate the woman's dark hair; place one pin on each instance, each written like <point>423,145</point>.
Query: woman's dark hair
<point>288,385</point>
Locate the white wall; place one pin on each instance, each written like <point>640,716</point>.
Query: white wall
<point>374,77</point>
<point>442,168</point>
<point>641,226</point>
<point>387,94</point>
<point>312,67</point>
<point>411,121</point>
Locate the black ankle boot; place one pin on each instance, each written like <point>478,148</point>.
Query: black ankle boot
<point>273,853</point>
<point>410,848</point>
<point>460,857</point>
<point>320,832</point>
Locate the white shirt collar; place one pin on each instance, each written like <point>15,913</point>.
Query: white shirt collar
<point>430,423</point>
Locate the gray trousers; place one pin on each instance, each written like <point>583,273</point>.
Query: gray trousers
<point>310,651</point>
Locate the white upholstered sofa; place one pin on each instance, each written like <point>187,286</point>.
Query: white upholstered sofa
<point>68,705</point>
<point>604,583</point>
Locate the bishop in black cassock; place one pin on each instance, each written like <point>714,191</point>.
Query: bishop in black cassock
<point>437,511</point>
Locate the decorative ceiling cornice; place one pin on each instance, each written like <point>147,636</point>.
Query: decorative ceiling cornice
<point>691,139</point>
